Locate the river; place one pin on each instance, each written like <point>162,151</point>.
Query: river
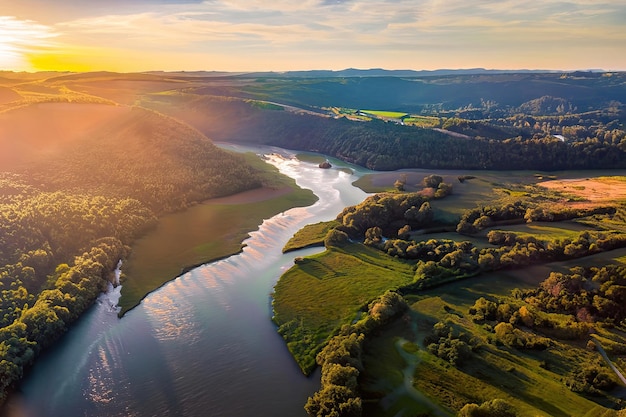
<point>203,344</point>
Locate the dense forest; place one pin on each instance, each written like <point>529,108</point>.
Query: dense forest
<point>524,138</point>
<point>75,191</point>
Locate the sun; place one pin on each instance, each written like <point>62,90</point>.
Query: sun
<point>11,56</point>
<point>21,38</point>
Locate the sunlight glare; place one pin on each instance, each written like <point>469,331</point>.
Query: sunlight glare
<point>18,38</point>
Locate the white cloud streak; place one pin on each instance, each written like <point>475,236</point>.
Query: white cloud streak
<point>382,29</point>
<point>20,36</point>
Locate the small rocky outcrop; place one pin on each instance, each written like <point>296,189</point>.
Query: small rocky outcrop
<point>325,164</point>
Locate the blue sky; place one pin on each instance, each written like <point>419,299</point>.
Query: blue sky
<point>279,35</point>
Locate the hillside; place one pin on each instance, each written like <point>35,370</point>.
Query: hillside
<point>118,151</point>
<point>79,183</point>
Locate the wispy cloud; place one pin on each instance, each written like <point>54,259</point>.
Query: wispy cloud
<point>341,33</point>
<point>19,36</point>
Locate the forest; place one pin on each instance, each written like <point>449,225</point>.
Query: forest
<point>71,205</point>
<point>538,134</point>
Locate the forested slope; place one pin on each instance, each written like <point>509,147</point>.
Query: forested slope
<point>387,146</point>
<point>78,183</point>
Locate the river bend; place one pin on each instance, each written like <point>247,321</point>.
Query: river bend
<point>203,344</point>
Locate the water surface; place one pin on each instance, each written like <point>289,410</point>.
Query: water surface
<point>202,345</point>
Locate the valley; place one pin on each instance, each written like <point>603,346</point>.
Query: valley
<point>494,191</point>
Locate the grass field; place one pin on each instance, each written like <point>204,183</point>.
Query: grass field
<point>331,289</point>
<point>546,231</point>
<point>310,235</point>
<point>532,381</point>
<point>423,121</point>
<point>385,114</point>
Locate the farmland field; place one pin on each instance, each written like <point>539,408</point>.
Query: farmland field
<point>385,114</point>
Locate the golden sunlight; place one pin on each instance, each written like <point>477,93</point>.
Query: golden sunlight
<point>59,61</point>
<point>18,38</point>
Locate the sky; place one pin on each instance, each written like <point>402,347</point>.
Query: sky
<point>283,35</point>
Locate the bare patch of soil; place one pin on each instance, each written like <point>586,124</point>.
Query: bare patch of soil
<point>594,190</point>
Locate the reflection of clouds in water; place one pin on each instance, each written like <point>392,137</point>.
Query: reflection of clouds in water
<point>171,314</point>
<point>106,379</point>
<point>100,388</point>
<point>171,310</point>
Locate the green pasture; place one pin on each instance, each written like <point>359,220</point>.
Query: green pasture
<point>547,231</point>
<point>422,121</point>
<point>310,235</point>
<point>386,114</point>
<point>314,298</point>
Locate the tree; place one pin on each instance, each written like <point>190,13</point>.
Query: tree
<point>400,183</point>
<point>404,232</point>
<point>432,181</point>
<point>443,189</point>
<point>334,401</point>
<point>373,236</point>
<point>335,238</point>
<point>493,408</point>
<point>336,374</point>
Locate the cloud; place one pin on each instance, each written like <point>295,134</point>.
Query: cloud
<point>18,37</point>
<point>347,31</point>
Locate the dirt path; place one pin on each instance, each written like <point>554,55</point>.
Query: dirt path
<point>407,387</point>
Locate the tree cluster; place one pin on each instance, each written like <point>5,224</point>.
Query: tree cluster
<point>40,230</point>
<point>448,344</point>
<point>589,294</point>
<point>474,220</point>
<point>36,327</point>
<point>592,379</point>
<point>439,261</point>
<point>491,408</point>
<point>341,362</point>
<point>388,212</point>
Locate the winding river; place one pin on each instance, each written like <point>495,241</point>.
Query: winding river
<point>202,345</point>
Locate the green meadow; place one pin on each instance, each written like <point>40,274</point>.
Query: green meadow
<point>310,235</point>
<point>317,296</point>
<point>401,376</point>
<point>386,114</point>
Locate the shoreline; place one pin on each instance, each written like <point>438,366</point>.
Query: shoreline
<point>229,219</point>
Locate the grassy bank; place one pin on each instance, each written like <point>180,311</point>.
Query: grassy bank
<point>205,232</point>
<point>538,368</point>
<point>310,235</point>
<point>316,297</point>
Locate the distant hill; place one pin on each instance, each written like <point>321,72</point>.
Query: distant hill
<point>121,151</point>
<point>379,72</point>
<point>450,92</point>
